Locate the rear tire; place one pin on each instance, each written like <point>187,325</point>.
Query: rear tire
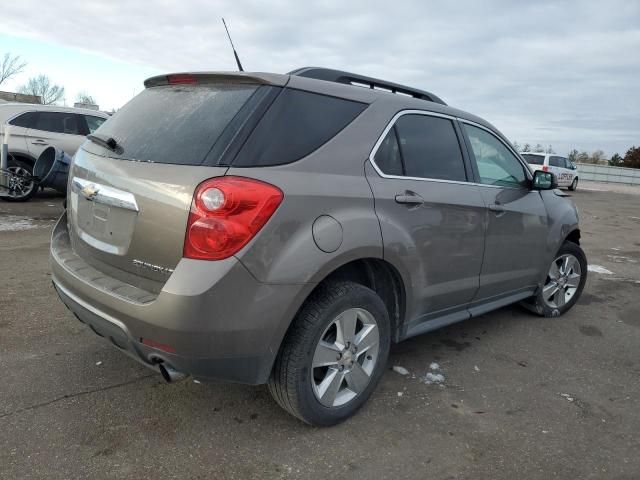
<point>564,283</point>
<point>20,190</point>
<point>574,185</point>
<point>314,378</point>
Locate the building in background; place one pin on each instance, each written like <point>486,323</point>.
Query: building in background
<point>19,97</point>
<point>88,106</point>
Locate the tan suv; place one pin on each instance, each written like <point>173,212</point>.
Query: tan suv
<point>35,127</point>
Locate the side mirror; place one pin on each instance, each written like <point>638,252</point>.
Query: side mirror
<point>544,180</point>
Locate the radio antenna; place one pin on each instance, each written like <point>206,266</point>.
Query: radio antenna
<point>235,54</point>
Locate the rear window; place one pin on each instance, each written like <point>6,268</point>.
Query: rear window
<point>533,159</point>
<point>296,124</point>
<point>175,124</point>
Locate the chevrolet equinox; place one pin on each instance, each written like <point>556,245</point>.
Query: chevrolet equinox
<point>286,229</point>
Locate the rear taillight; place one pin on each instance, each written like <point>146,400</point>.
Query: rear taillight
<point>545,168</point>
<point>227,212</point>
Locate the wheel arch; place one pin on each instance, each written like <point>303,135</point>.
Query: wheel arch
<point>375,273</point>
<point>573,236</point>
<point>25,157</point>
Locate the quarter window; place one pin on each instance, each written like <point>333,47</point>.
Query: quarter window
<point>26,120</point>
<point>496,164</point>
<point>424,147</point>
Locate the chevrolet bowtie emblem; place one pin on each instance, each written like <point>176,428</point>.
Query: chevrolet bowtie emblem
<point>89,191</point>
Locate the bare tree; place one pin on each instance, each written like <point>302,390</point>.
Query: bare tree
<point>549,149</point>
<point>42,87</point>
<point>538,148</point>
<point>84,97</point>
<point>10,67</point>
<point>526,147</point>
<point>598,157</point>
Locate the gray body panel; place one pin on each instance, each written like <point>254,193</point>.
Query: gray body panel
<point>226,319</point>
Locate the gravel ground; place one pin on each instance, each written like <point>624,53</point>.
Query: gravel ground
<point>522,397</point>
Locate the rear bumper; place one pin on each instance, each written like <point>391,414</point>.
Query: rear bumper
<point>218,320</point>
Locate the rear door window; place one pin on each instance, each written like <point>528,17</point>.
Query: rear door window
<point>296,124</point>
<point>430,148</point>
<point>387,157</point>
<point>177,124</point>
<point>556,162</point>
<point>58,122</point>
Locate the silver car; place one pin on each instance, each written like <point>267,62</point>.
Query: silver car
<point>35,127</point>
<point>286,229</point>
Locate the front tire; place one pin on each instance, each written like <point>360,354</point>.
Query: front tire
<point>333,355</point>
<point>564,283</point>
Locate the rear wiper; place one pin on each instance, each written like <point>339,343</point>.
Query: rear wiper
<point>106,142</point>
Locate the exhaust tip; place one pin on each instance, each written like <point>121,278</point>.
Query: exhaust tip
<point>170,375</point>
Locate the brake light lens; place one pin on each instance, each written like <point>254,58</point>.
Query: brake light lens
<point>545,168</point>
<point>227,212</point>
<point>182,79</point>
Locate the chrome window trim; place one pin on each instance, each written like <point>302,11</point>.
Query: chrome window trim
<point>390,125</point>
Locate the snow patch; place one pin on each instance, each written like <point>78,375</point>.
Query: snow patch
<point>434,366</point>
<point>567,396</point>
<point>400,370</point>
<point>433,378</point>
<point>15,223</point>
<point>599,269</point>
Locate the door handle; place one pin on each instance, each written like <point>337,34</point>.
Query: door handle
<point>410,199</point>
<point>39,142</point>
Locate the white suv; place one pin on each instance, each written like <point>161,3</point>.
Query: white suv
<point>35,127</point>
<point>563,168</point>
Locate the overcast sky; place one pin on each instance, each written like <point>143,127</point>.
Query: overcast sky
<point>560,73</point>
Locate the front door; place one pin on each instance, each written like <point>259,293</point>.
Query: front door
<point>516,218</point>
<point>432,218</point>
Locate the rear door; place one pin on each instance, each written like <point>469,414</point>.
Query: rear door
<point>128,206</point>
<point>558,166</point>
<point>430,215</point>
<point>20,125</point>
<point>516,217</point>
<point>60,129</point>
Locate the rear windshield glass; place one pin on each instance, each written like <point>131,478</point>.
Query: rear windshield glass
<point>533,159</point>
<point>296,124</point>
<point>174,124</point>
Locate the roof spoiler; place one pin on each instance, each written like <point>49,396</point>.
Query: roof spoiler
<point>348,78</point>
<point>199,78</point>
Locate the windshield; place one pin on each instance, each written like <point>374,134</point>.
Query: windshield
<point>174,124</point>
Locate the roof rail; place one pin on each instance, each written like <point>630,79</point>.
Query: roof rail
<point>347,78</point>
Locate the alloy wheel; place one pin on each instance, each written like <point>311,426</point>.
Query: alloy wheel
<point>20,183</point>
<point>345,357</point>
<point>562,282</point>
